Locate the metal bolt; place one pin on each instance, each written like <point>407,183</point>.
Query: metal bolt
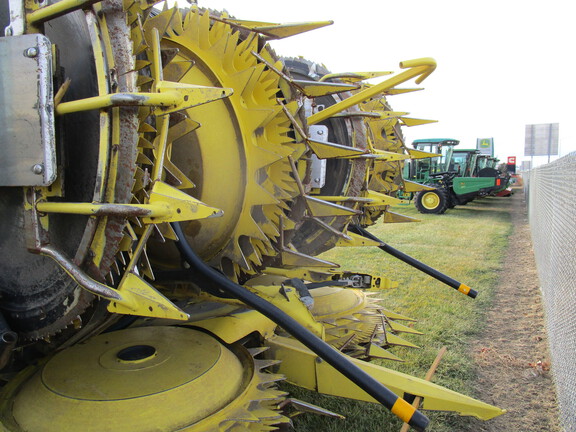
<point>317,180</point>
<point>38,169</point>
<point>31,52</point>
<point>8,31</point>
<point>320,132</point>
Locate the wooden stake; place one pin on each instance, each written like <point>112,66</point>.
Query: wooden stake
<point>428,377</point>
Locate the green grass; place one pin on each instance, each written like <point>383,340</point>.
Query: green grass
<point>467,243</point>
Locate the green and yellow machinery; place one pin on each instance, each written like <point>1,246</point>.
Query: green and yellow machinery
<point>166,184</point>
<point>454,176</point>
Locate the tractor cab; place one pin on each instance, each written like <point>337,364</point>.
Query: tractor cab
<point>420,170</point>
<point>466,162</point>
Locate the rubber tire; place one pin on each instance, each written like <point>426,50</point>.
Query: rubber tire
<point>441,197</point>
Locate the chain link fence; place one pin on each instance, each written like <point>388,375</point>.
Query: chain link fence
<point>551,193</point>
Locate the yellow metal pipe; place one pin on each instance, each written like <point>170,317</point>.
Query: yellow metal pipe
<point>94,209</point>
<point>164,99</point>
<point>57,9</point>
<point>423,67</point>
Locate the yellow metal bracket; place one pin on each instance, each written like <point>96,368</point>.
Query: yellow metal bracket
<point>166,204</point>
<point>356,240</point>
<point>178,205</point>
<point>133,297</point>
<point>171,97</point>
<point>141,298</point>
<point>419,69</point>
<point>231,328</point>
<point>387,156</point>
<point>379,199</point>
<point>303,368</point>
<point>287,299</point>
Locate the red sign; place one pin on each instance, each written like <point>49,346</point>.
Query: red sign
<point>511,160</point>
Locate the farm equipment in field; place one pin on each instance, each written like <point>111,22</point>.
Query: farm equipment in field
<point>455,176</point>
<point>167,182</point>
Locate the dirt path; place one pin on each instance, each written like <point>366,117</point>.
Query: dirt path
<point>512,353</point>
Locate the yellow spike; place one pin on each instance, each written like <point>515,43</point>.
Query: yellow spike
<point>391,217</point>
<point>419,154</point>
<point>159,23</point>
<point>356,240</point>
<point>191,27</point>
<point>391,114</point>
<point>352,77</point>
<point>275,30</point>
<point>410,186</point>
<point>176,70</point>
<point>144,143</point>
<point>167,231</point>
<point>395,316</point>
<point>176,23</point>
<point>181,129</point>
<point>293,258</point>
<point>320,208</point>
<point>141,64</point>
<point>145,268</point>
<point>392,339</point>
<point>400,328</point>
<point>143,159</point>
<point>185,182</point>
<point>141,298</point>
<point>179,206</point>
<point>316,89</point>
<point>328,150</point>
<point>204,22</point>
<point>415,122</point>
<point>143,80</point>
<point>396,91</point>
<point>379,352</point>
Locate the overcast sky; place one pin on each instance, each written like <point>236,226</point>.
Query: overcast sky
<point>502,64</point>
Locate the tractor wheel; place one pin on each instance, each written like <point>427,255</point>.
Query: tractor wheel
<point>344,177</point>
<point>432,201</point>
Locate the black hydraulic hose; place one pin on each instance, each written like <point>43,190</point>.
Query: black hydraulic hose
<point>337,360</point>
<point>464,289</point>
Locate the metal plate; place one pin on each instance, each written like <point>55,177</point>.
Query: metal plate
<point>319,133</point>
<point>28,156</point>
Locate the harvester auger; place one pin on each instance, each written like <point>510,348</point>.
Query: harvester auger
<point>156,175</point>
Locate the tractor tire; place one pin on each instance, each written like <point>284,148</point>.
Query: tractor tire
<point>432,201</point>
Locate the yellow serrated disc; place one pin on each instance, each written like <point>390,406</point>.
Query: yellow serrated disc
<point>143,380</point>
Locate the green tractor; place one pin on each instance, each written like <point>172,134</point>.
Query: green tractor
<point>457,176</point>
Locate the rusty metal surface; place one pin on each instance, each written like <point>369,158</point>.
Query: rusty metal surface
<point>27,117</point>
